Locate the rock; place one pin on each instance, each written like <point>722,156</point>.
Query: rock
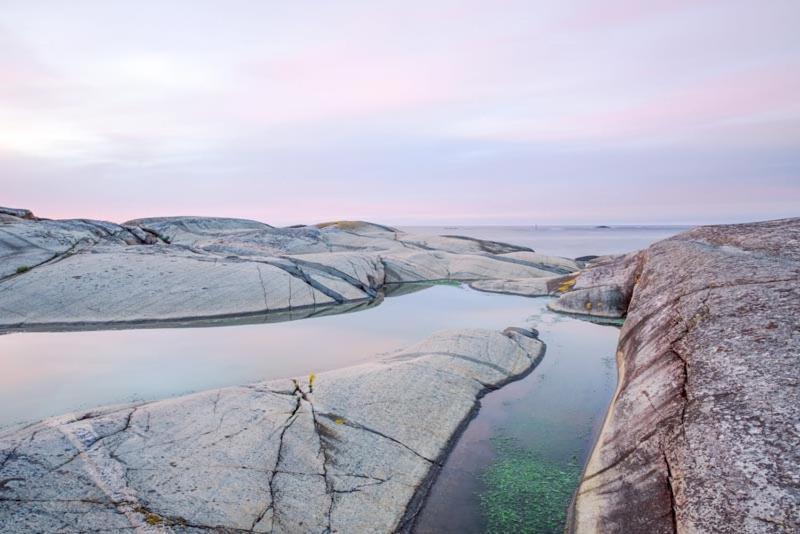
<point>25,244</point>
<point>602,291</point>
<point>358,227</point>
<point>526,287</point>
<point>492,247</point>
<point>586,259</point>
<point>18,213</point>
<point>702,433</point>
<point>354,451</point>
<point>75,273</point>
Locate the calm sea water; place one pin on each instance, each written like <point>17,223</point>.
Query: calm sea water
<point>567,241</point>
<point>534,434</point>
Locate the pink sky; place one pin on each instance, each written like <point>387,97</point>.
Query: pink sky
<point>402,112</point>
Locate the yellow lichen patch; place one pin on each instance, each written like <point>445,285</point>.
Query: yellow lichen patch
<point>153,519</point>
<point>588,305</point>
<point>566,285</point>
<point>311,379</point>
<point>339,421</point>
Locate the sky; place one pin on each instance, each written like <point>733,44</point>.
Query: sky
<point>407,112</point>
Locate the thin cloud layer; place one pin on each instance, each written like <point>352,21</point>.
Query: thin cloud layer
<point>500,112</point>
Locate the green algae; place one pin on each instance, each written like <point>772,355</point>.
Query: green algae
<point>525,492</point>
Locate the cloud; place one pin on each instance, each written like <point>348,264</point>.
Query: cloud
<point>404,112</point>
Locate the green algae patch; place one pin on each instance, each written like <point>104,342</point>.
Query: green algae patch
<point>526,492</point>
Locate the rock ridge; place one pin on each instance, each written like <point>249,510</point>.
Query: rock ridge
<point>79,272</point>
<point>351,450</point>
<point>702,432</point>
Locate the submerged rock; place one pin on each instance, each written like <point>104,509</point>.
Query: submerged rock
<point>702,434</point>
<point>73,273</point>
<point>352,450</point>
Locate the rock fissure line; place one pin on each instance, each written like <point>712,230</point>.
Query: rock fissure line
<point>359,426</point>
<point>270,483</point>
<point>412,355</point>
<point>336,273</point>
<point>320,432</point>
<point>699,434</point>
<point>58,256</point>
<point>264,289</point>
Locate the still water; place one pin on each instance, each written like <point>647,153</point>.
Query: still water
<point>516,465</point>
<point>566,241</point>
<point>518,462</point>
<point>49,373</point>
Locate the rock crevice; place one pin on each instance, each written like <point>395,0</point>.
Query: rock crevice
<point>700,436</point>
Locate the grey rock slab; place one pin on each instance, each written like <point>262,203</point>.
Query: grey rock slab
<point>556,264</point>
<point>151,284</point>
<point>74,273</point>
<point>604,290</point>
<point>358,227</point>
<point>25,244</point>
<point>16,212</point>
<point>421,265</point>
<point>347,454</point>
<point>702,434</point>
<point>525,287</point>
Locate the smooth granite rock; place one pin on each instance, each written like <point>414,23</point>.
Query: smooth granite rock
<point>526,287</point>
<point>353,452</point>
<point>704,431</point>
<point>604,290</point>
<point>74,273</point>
<point>18,213</point>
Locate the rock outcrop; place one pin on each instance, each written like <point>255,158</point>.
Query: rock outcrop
<point>702,434</point>
<point>74,273</point>
<point>351,450</point>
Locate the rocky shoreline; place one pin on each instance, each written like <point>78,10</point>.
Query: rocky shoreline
<point>352,450</point>
<point>702,434</point>
<point>73,273</point>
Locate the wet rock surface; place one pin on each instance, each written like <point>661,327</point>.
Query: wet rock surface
<point>73,273</point>
<point>702,435</point>
<point>351,450</point>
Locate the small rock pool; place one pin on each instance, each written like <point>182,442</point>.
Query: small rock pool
<point>517,464</point>
<point>513,470</point>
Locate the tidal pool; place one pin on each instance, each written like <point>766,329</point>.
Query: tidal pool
<point>514,468</point>
<point>517,464</point>
<point>50,373</point>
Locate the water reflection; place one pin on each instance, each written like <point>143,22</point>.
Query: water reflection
<point>279,316</point>
<point>49,373</point>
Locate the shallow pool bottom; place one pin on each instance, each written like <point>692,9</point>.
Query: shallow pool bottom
<point>519,460</point>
